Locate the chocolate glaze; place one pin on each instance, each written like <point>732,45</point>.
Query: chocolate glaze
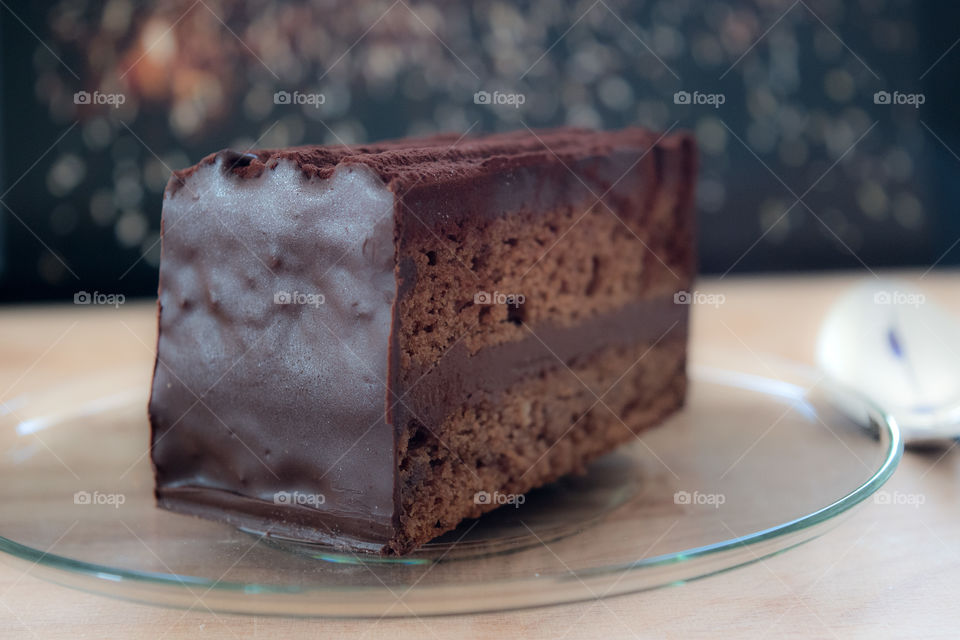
<point>497,368</point>
<point>278,401</point>
<point>434,183</point>
<point>444,158</point>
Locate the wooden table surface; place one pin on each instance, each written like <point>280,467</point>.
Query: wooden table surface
<point>890,570</point>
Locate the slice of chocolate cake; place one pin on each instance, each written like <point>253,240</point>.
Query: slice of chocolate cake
<point>364,346</point>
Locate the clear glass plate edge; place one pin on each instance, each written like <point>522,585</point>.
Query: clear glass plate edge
<point>188,592</point>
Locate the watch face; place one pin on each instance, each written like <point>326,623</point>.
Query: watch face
<point>824,127</point>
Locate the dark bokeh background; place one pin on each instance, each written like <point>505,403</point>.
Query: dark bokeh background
<point>82,184</point>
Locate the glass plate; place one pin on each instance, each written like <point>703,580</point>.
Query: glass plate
<point>760,460</point>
